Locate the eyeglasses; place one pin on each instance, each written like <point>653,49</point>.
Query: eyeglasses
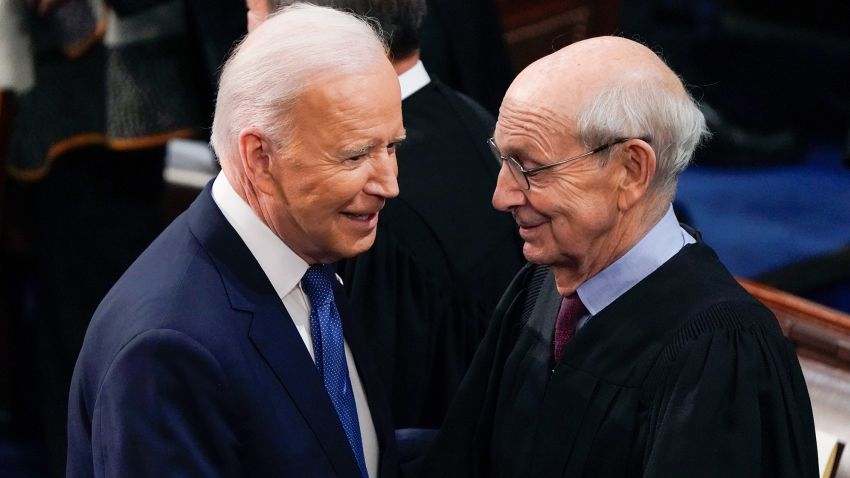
<point>521,174</point>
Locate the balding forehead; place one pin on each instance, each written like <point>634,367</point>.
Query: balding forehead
<point>607,53</point>
<point>570,77</point>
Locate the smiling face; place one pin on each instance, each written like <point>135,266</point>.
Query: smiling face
<point>328,187</point>
<point>581,216</point>
<point>571,218</point>
<point>567,218</point>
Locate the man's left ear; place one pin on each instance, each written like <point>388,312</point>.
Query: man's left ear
<point>638,167</point>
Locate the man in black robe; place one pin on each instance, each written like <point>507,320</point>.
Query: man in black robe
<point>626,349</point>
<point>426,290</point>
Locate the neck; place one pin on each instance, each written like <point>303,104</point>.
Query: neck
<point>631,228</point>
<point>243,188</point>
<point>406,62</point>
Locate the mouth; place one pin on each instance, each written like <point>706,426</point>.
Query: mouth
<point>527,225</point>
<point>527,228</point>
<point>361,217</point>
<point>526,231</point>
<point>368,220</point>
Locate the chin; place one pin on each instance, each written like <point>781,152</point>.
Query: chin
<point>534,255</point>
<point>358,246</point>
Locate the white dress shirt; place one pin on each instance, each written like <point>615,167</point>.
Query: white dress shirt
<point>413,80</point>
<point>285,269</point>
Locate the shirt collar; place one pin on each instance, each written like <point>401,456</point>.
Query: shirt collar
<point>661,243</point>
<point>282,265</point>
<point>413,80</point>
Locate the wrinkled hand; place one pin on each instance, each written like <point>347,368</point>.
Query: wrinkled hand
<point>42,7</point>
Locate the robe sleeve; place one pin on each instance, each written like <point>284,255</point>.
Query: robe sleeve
<point>462,447</point>
<point>733,404</point>
<point>393,298</point>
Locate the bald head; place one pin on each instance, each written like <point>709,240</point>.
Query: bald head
<point>604,88</point>
<point>580,70</point>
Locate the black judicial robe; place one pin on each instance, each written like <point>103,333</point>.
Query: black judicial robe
<point>424,293</point>
<point>683,375</point>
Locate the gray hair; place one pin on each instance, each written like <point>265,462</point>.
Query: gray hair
<point>642,107</point>
<point>283,57</point>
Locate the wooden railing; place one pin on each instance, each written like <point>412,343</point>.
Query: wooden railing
<point>817,331</point>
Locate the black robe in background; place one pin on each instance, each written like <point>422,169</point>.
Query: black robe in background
<point>425,292</point>
<point>462,44</point>
<point>684,375</point>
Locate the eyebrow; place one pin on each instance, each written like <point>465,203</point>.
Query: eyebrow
<point>358,151</point>
<point>361,150</point>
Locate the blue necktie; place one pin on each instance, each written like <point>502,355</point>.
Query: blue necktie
<point>329,350</point>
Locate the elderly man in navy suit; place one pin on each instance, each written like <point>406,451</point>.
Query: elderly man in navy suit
<point>226,349</point>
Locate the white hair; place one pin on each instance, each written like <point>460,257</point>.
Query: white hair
<point>642,107</point>
<point>292,50</point>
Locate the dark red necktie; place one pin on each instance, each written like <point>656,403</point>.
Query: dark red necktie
<point>565,326</point>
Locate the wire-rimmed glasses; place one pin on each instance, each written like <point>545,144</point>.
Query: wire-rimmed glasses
<point>522,175</point>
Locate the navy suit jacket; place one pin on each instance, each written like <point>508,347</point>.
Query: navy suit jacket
<point>191,366</point>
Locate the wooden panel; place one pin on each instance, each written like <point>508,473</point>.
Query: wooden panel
<point>535,28</point>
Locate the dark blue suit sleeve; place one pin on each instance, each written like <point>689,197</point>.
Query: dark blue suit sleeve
<point>162,410</point>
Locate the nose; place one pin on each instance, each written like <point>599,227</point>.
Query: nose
<point>508,194</point>
<point>383,182</point>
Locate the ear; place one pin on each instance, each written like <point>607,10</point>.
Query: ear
<point>255,154</point>
<point>258,11</point>
<point>638,168</point>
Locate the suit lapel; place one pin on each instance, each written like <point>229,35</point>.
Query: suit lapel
<point>272,331</point>
<point>277,340</point>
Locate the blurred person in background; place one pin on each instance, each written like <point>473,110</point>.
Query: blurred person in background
<point>101,87</point>
<point>463,46</point>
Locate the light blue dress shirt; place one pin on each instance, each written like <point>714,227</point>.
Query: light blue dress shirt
<point>661,243</point>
